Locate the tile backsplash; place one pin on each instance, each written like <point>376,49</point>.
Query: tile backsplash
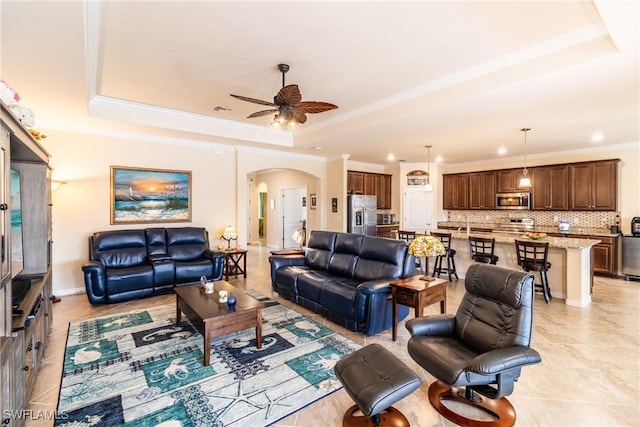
<point>542,218</point>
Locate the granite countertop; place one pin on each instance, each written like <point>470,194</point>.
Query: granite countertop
<point>510,238</point>
<point>586,231</point>
<point>395,224</point>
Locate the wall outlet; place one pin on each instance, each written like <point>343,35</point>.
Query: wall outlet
<point>575,220</point>
<point>556,219</point>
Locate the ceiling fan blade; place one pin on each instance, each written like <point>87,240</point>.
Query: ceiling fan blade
<point>288,95</point>
<point>299,116</point>
<point>255,101</point>
<point>262,113</point>
<point>312,107</point>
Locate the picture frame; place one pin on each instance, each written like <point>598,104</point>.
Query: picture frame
<point>142,195</point>
<point>334,204</point>
<point>313,200</point>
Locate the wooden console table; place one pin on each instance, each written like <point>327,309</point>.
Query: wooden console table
<point>418,294</point>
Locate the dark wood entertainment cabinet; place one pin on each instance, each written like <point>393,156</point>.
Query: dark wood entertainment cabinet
<point>25,327</point>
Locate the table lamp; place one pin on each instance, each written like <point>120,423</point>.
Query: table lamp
<point>299,236</point>
<point>229,234</point>
<point>424,247</point>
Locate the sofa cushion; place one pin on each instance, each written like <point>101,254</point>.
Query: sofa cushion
<point>340,296</point>
<point>310,283</point>
<point>287,279</point>
<point>191,271</point>
<point>187,243</point>
<point>121,248</point>
<point>345,255</point>
<point>320,249</point>
<point>121,280</point>
<point>380,259</point>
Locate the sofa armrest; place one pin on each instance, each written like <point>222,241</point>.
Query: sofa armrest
<point>158,258</point>
<point>441,325</point>
<point>279,261</point>
<point>217,259</point>
<point>95,282</point>
<point>379,286</point>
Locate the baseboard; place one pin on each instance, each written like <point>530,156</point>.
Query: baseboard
<point>69,292</point>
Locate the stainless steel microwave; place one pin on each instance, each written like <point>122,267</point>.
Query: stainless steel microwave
<point>513,201</point>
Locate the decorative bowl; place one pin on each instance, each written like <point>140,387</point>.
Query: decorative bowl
<point>535,235</point>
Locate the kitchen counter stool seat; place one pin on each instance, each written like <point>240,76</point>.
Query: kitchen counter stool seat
<point>449,255</point>
<point>532,256</point>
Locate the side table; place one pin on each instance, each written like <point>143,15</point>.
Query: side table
<point>235,263</point>
<point>418,294</point>
<point>291,251</point>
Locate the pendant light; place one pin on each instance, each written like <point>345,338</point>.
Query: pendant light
<point>428,187</point>
<point>525,181</point>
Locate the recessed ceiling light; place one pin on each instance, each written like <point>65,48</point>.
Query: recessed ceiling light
<point>221,108</point>
<point>597,137</point>
<point>502,150</point>
<point>390,157</point>
<point>439,159</point>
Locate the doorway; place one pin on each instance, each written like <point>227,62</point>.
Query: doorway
<point>294,214</point>
<point>418,209</point>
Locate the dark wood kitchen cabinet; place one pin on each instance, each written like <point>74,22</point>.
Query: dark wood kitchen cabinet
<point>593,186</point>
<point>376,184</point>
<point>549,188</point>
<point>455,190</point>
<point>508,181</point>
<point>482,190</point>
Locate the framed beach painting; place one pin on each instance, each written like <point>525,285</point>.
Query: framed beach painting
<point>149,195</point>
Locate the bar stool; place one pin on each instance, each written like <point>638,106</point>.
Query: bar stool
<point>532,256</point>
<point>481,249</point>
<point>407,236</point>
<point>449,253</point>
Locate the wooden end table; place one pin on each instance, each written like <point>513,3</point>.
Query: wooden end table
<point>235,263</point>
<point>416,293</point>
<point>212,318</point>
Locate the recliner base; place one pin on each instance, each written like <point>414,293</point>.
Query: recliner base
<point>390,417</point>
<point>500,408</point>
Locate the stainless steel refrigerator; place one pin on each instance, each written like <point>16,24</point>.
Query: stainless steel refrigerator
<point>361,211</point>
<point>631,257</point>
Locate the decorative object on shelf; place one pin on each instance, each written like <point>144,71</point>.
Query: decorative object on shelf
<point>525,181</point>
<point>417,177</point>
<point>223,296</point>
<point>8,95</point>
<point>203,281</point>
<point>149,195</point>
<point>229,234</point>
<point>24,114</point>
<point>231,300</point>
<point>535,235</point>
<point>424,247</point>
<point>37,135</point>
<point>428,186</point>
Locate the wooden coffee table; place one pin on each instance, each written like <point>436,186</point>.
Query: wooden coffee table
<point>212,318</point>
<point>417,293</point>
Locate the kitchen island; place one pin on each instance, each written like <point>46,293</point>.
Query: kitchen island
<point>570,273</point>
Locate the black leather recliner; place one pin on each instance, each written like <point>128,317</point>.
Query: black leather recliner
<point>482,347</point>
<point>130,264</point>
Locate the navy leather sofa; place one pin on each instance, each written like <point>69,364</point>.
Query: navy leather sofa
<point>130,264</point>
<point>345,277</point>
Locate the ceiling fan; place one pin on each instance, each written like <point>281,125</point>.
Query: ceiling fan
<point>290,109</point>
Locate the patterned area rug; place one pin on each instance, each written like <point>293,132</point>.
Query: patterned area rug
<point>140,369</point>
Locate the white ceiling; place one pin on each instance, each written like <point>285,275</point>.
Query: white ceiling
<point>461,76</point>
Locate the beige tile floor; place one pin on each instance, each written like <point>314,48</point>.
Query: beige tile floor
<point>589,375</point>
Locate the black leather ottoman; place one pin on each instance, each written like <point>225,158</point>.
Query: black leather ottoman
<point>375,379</point>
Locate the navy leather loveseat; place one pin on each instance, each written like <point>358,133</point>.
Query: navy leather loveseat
<point>129,264</point>
<point>345,277</point>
